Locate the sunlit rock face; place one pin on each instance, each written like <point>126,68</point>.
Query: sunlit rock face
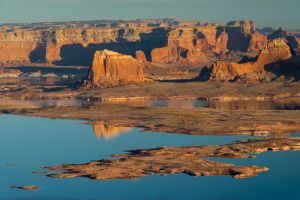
<point>108,131</point>
<point>111,69</point>
<point>191,45</point>
<point>290,38</point>
<point>266,66</point>
<point>140,55</point>
<point>163,41</point>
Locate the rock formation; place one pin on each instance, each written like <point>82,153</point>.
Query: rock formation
<point>140,55</point>
<point>190,160</point>
<point>269,60</point>
<point>242,36</point>
<point>113,69</point>
<point>191,45</point>
<point>291,38</point>
<point>164,41</point>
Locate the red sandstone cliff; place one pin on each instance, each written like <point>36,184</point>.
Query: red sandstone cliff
<point>113,69</point>
<point>267,63</point>
<point>191,45</point>
<point>187,42</point>
<point>162,41</point>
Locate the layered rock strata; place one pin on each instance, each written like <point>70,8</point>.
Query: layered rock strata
<point>113,69</point>
<point>164,41</point>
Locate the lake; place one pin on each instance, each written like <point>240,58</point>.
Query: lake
<point>29,142</point>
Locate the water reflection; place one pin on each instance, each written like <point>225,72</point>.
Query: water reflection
<point>40,103</point>
<point>176,103</point>
<point>228,105</point>
<point>53,142</point>
<point>108,131</point>
<point>255,105</point>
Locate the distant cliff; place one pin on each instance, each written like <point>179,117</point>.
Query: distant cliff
<point>164,41</point>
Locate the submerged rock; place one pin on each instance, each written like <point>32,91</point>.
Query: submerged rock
<point>26,187</point>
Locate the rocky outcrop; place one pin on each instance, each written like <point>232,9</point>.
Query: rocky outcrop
<point>290,38</point>
<point>269,61</point>
<point>257,42</point>
<point>111,69</point>
<point>140,55</point>
<point>191,160</point>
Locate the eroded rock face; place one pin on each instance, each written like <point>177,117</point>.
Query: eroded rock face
<point>257,42</point>
<point>191,46</point>
<point>140,55</point>
<point>164,41</point>
<point>274,52</point>
<point>290,38</point>
<point>113,69</point>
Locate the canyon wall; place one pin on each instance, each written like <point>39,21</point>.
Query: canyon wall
<point>161,41</point>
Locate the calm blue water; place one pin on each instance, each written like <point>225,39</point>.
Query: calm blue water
<point>27,143</point>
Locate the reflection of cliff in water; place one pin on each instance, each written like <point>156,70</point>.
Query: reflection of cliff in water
<point>255,105</point>
<point>108,131</point>
<point>177,103</point>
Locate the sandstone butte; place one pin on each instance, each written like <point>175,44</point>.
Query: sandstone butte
<point>270,59</point>
<point>111,69</point>
<point>164,41</point>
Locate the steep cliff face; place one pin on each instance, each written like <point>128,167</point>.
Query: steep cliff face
<point>113,69</point>
<point>162,41</point>
<point>191,45</point>
<point>140,55</point>
<point>75,46</point>
<point>19,46</point>
<point>242,36</point>
<point>257,42</point>
<point>268,65</point>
